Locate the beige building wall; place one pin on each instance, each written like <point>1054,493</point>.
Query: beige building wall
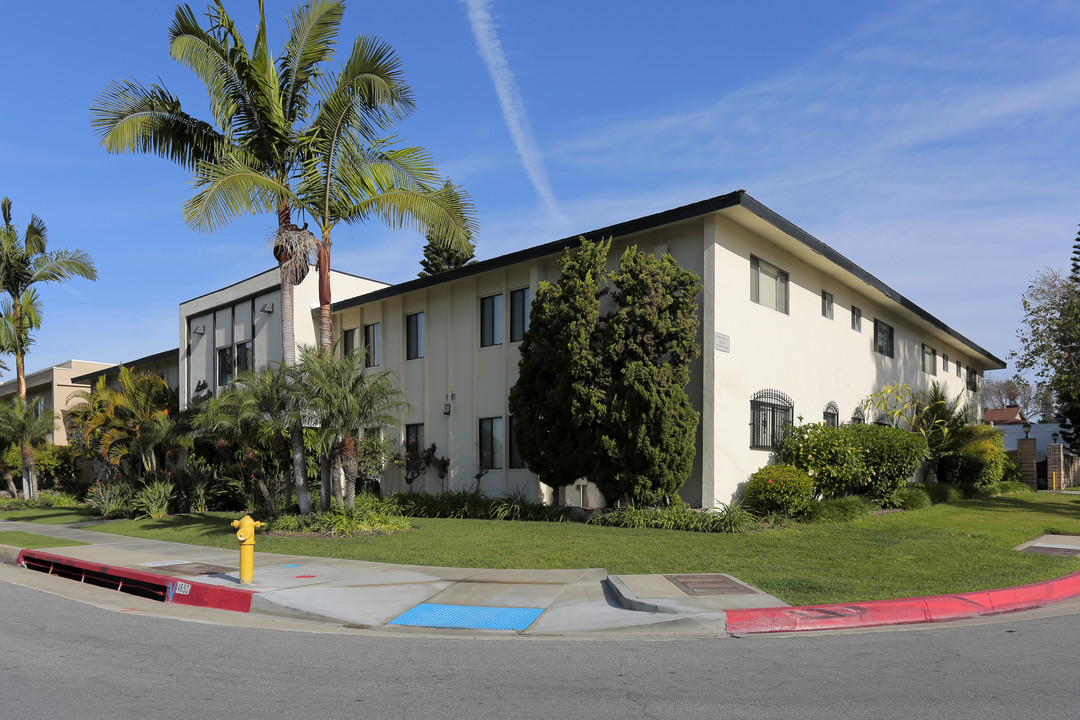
<point>53,388</point>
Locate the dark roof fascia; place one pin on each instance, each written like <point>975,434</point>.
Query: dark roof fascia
<point>788,227</point>
<point>238,282</point>
<point>90,378</point>
<point>629,227</point>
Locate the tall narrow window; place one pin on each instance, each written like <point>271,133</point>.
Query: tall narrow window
<point>515,460</point>
<point>858,417</point>
<point>770,412</point>
<point>929,360</point>
<point>944,362</point>
<point>245,357</point>
<point>519,314</point>
<point>768,285</point>
<point>883,338</point>
<point>972,380</point>
<point>414,438</point>
<point>414,336</point>
<point>826,304</point>
<point>349,341</point>
<point>856,319</point>
<point>371,345</point>
<point>831,415</point>
<point>958,367</point>
<point>491,320</point>
<point>225,366</point>
<point>491,443</point>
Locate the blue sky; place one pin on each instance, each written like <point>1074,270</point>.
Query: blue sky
<point>934,143</point>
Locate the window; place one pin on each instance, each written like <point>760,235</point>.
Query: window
<point>883,338</point>
<point>958,366</point>
<point>972,380</point>
<point>491,320</point>
<point>491,441</point>
<point>515,460</point>
<point>414,438</point>
<point>826,304</point>
<point>944,362</point>
<point>856,319</point>
<point>245,357</point>
<point>768,285</point>
<point>519,315</point>
<point>414,336</point>
<point>224,366</point>
<point>857,417</point>
<point>831,415</point>
<point>349,340</point>
<point>929,360</point>
<point>770,411</point>
<point>371,345</point>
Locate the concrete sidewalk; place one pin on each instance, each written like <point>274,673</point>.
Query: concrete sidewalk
<point>367,595</point>
<point>530,602</point>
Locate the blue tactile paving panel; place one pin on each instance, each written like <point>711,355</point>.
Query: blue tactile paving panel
<point>468,617</point>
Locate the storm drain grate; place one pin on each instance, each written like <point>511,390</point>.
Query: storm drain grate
<point>709,584</point>
<point>141,588</point>
<point>468,617</point>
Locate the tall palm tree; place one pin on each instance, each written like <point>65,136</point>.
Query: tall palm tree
<point>25,264</point>
<point>342,401</point>
<point>25,424</point>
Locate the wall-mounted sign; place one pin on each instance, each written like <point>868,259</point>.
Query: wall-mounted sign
<point>723,343</point>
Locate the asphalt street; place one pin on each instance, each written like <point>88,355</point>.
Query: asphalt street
<point>109,655</point>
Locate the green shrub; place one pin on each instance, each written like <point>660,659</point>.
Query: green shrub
<point>943,492</point>
<point>911,498</point>
<point>1006,487</point>
<point>892,457</point>
<point>827,454</point>
<point>111,499</point>
<point>153,500</point>
<point>980,464</point>
<point>369,515</point>
<point>842,509</point>
<point>780,489</point>
<point>475,505</point>
<point>55,498</point>
<point>724,519</point>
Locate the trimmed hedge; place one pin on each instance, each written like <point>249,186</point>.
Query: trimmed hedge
<point>780,490</point>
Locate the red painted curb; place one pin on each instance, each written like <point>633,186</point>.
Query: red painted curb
<point>933,608</point>
<point>171,589</point>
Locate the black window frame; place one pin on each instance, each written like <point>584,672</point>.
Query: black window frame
<point>782,281</point>
<point>856,319</point>
<point>372,344</point>
<point>226,370</point>
<point>414,336</point>
<point>827,304</point>
<point>831,414</point>
<point>519,314</point>
<point>972,380</point>
<point>246,350</point>
<point>770,412</point>
<point>945,362</point>
<point>491,312</point>
<point>491,442</point>
<point>858,417</point>
<point>348,340</point>
<point>890,338</point>
<point>929,360</point>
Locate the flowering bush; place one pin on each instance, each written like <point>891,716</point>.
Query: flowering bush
<point>780,490</point>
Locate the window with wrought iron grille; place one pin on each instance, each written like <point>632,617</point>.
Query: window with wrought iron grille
<point>770,412</point>
<point>858,417</point>
<point>831,414</point>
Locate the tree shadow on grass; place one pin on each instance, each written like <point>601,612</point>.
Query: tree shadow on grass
<point>195,524</point>
<point>70,515</point>
<point>1069,509</point>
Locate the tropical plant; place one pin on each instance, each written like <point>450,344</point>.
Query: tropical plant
<point>25,424</point>
<point>152,500</point>
<point>341,401</point>
<point>440,257</point>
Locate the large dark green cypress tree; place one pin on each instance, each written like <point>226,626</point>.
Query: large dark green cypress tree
<point>557,401</point>
<point>646,438</point>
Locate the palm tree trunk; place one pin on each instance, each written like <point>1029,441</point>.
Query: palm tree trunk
<point>326,328</point>
<point>9,479</point>
<point>338,477</point>
<point>29,478</point>
<point>303,495</point>
<point>324,479</point>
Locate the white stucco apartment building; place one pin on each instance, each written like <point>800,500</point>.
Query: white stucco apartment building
<point>789,328</point>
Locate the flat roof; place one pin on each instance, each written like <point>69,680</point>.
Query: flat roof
<point>156,357</point>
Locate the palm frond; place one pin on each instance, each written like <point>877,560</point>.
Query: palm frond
<point>313,35</point>
<point>231,188</point>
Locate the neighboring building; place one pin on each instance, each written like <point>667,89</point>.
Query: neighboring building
<point>51,389</point>
<point>163,364</point>
<point>1008,415</point>
<point>239,327</point>
<point>790,328</point>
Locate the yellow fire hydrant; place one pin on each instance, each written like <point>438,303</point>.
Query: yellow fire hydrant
<point>246,535</point>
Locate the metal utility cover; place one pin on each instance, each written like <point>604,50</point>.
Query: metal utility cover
<point>709,584</point>
<point>1052,550</point>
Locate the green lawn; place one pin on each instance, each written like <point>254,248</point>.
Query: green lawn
<point>20,539</point>
<point>947,548</point>
<point>52,516</point>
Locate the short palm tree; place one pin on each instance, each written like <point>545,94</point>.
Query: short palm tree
<point>342,401</point>
<point>26,424</point>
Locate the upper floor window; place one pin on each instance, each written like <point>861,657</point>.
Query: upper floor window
<point>856,319</point>
<point>519,314</point>
<point>958,368</point>
<point>826,304</point>
<point>491,327</point>
<point>768,285</point>
<point>225,369</point>
<point>831,415</point>
<point>414,336</point>
<point>929,360</point>
<point>883,338</point>
<point>972,380</point>
<point>770,412</point>
<point>349,341</point>
<point>371,345</point>
<point>944,362</point>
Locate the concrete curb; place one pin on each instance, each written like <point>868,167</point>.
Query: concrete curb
<point>933,608</point>
<point>629,600</point>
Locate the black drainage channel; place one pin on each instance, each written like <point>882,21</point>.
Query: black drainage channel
<point>141,588</point>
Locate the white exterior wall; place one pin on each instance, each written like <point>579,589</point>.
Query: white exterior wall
<point>811,359</point>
